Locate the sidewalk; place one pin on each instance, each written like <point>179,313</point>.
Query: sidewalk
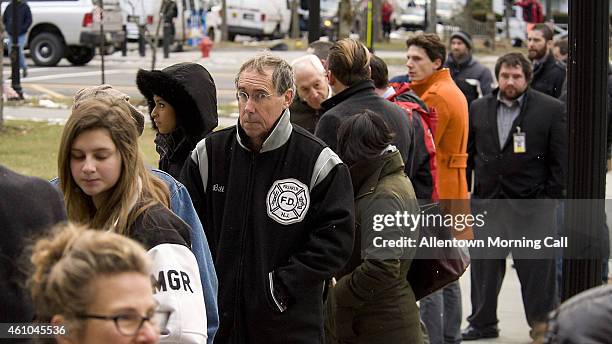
<point>512,324</point>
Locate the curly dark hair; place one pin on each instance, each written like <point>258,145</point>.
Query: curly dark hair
<point>431,43</point>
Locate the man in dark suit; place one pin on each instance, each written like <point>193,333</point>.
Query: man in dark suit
<point>518,147</point>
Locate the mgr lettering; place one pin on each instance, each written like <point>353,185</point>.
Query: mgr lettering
<point>171,279</point>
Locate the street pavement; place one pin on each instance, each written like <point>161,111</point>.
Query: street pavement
<point>64,80</point>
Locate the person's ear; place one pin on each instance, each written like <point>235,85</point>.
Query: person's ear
<point>289,94</point>
<point>68,338</point>
<point>331,78</point>
<point>437,63</point>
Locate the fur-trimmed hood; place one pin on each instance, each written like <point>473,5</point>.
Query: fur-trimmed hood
<point>191,91</point>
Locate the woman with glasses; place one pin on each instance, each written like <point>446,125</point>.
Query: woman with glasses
<point>182,102</point>
<point>107,187</point>
<point>93,287</point>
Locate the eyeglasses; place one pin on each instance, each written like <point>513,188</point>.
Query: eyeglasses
<point>129,324</point>
<point>258,97</point>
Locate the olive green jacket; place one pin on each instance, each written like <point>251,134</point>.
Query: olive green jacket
<point>372,298</point>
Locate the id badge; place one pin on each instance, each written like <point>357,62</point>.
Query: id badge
<point>520,142</point>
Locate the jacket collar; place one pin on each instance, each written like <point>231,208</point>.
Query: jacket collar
<point>423,85</point>
<point>543,64</point>
<point>277,137</point>
<point>463,62</point>
<point>360,86</point>
<point>365,175</point>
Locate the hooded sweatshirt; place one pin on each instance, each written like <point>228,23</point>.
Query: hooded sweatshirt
<point>191,91</point>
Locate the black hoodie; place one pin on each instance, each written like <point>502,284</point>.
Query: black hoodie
<point>191,91</point>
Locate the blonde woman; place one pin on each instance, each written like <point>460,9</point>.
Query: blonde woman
<point>107,186</point>
<point>94,286</point>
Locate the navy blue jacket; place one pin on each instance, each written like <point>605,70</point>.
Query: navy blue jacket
<point>24,18</point>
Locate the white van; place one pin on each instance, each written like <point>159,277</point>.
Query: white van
<point>258,18</point>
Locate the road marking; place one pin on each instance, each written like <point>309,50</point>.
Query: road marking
<point>74,75</point>
<point>47,91</point>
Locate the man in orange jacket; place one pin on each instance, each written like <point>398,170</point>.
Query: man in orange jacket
<point>433,83</point>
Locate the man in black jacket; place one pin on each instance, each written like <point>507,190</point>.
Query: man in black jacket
<point>465,69</point>
<point>312,90</point>
<point>518,146</point>
<point>24,21</point>
<point>28,207</point>
<point>548,73</point>
<point>354,92</point>
<point>277,208</point>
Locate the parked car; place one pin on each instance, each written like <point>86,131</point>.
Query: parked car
<point>413,17</point>
<point>71,29</point>
<point>258,18</point>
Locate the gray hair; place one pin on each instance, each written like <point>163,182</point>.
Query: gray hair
<point>282,73</point>
<point>314,61</point>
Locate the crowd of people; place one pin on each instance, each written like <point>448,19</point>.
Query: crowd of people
<point>263,232</point>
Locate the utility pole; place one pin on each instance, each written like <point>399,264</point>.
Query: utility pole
<point>370,26</point>
<point>224,35</point>
<point>549,15</point>
<point>314,20</point>
<point>507,14</point>
<point>102,39</point>
<point>1,76</point>
<point>15,81</point>
<point>179,45</point>
<point>586,104</point>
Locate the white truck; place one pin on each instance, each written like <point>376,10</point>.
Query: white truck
<point>71,29</point>
<point>258,18</point>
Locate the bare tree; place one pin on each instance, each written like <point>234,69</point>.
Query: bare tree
<point>377,20</point>
<point>468,17</point>
<point>432,17</point>
<point>345,20</point>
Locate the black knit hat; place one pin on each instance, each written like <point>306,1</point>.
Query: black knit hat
<point>465,37</point>
<point>190,90</point>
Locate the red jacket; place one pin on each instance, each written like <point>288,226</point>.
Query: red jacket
<point>532,11</point>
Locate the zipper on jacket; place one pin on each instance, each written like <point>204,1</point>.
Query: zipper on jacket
<point>242,241</point>
<point>279,304</point>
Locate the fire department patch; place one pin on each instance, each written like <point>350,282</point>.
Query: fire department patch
<point>288,201</point>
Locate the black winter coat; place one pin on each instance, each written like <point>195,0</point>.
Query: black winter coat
<point>24,18</point>
<point>548,77</point>
<point>191,91</point>
<point>501,173</point>
<point>28,207</point>
<point>470,68</point>
<point>356,99</point>
<point>303,115</point>
<point>279,223</point>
